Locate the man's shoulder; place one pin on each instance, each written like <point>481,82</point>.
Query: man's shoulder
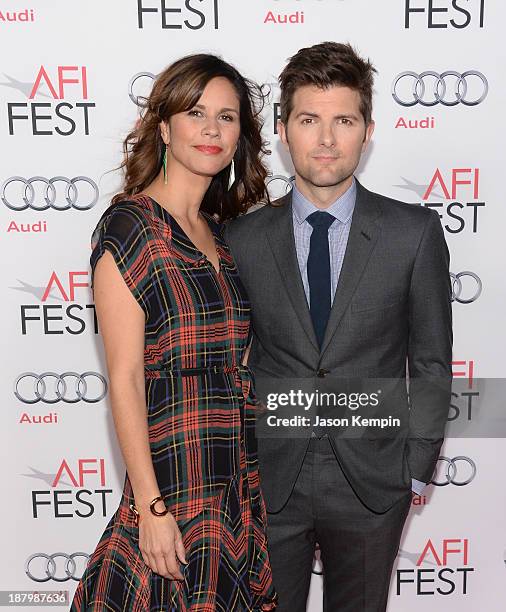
<point>260,218</point>
<point>399,211</point>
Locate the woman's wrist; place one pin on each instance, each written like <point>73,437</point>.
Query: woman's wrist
<point>142,501</point>
<point>154,507</point>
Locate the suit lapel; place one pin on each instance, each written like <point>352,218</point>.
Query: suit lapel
<point>364,231</point>
<point>282,243</point>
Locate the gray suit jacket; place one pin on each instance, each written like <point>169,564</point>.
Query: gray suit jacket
<point>392,305</point>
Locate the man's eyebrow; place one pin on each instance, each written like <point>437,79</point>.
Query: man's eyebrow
<point>347,116</point>
<point>307,114</point>
<point>315,115</point>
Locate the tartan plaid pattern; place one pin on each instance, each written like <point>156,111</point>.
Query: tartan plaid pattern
<point>201,426</point>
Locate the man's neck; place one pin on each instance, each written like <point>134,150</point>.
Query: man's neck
<point>322,197</point>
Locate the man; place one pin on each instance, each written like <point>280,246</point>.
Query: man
<point>345,284</point>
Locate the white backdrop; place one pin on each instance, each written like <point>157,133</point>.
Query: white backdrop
<point>65,77</point>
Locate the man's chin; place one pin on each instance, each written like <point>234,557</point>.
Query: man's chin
<point>328,181</point>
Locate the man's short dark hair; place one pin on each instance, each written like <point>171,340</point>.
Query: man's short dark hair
<point>325,65</point>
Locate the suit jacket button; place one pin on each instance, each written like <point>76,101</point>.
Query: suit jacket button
<point>322,373</point>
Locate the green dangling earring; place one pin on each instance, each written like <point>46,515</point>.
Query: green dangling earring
<point>165,181</point>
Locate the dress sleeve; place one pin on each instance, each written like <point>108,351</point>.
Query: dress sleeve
<point>124,232</point>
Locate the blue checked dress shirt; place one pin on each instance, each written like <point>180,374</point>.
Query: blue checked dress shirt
<point>342,209</point>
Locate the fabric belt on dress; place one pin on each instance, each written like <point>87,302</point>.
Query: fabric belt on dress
<point>162,371</point>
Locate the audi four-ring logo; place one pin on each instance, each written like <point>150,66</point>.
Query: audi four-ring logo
<point>451,474</point>
<point>465,292</point>
<point>430,88</point>
<point>69,387</point>
<point>26,198</point>
<point>287,181</point>
<point>138,99</point>
<point>49,569</point>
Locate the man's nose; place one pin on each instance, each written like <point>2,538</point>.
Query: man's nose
<point>327,137</point>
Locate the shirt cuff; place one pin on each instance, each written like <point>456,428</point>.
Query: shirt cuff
<point>417,486</point>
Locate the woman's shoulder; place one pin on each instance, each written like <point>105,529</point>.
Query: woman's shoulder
<point>122,220</point>
<point>128,210</point>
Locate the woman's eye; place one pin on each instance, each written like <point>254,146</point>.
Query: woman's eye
<point>227,117</point>
<point>195,113</point>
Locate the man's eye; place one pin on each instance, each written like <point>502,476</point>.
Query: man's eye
<point>345,121</point>
<point>307,120</point>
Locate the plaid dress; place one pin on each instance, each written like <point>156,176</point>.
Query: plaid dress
<point>200,412</point>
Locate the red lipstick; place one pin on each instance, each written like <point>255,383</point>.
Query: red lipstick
<point>209,149</point>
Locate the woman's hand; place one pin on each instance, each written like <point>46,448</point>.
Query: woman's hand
<point>161,545</point>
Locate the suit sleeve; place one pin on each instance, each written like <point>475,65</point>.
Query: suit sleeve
<point>429,350</point>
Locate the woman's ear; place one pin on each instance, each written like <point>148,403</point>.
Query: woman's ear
<point>165,131</point>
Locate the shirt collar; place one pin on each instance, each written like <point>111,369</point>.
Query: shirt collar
<point>341,209</point>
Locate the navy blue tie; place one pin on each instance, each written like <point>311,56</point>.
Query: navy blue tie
<point>318,271</point>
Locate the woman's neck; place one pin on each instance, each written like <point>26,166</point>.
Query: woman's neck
<point>182,195</point>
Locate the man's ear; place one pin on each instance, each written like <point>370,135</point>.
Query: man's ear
<point>369,131</point>
<point>282,131</point>
<point>165,131</point>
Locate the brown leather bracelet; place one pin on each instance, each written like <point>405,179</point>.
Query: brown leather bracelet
<point>152,508</point>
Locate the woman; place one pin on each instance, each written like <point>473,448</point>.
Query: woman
<point>189,533</point>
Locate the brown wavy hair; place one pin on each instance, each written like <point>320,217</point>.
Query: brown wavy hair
<point>177,89</point>
<point>326,65</point>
